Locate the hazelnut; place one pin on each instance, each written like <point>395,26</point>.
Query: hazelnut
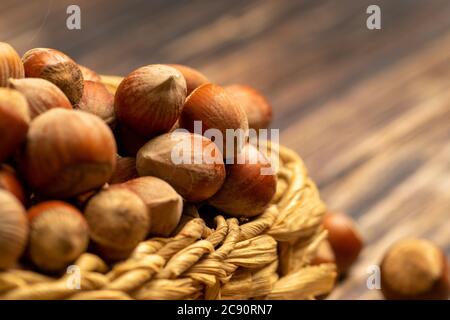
<point>68,152</point>
<point>163,203</point>
<point>255,105</point>
<point>56,67</point>
<point>10,64</point>
<point>198,170</point>
<point>125,170</point>
<point>149,100</point>
<point>10,182</point>
<point>14,121</point>
<point>89,75</point>
<point>41,95</point>
<point>344,238</point>
<point>98,100</point>
<point>415,269</point>
<point>13,229</point>
<point>118,221</point>
<point>194,78</point>
<point>249,186</point>
<point>58,235</point>
<point>211,105</point>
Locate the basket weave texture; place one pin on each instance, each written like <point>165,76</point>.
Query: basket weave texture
<point>267,257</point>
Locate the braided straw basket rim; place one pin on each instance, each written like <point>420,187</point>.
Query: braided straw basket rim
<point>264,258</point>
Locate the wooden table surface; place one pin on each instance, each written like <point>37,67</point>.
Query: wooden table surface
<point>369,111</point>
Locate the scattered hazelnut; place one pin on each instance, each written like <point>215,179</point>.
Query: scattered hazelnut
<point>68,152</point>
<point>125,170</point>
<point>344,238</point>
<point>198,171</point>
<point>194,78</point>
<point>89,75</point>
<point>415,269</point>
<point>149,100</point>
<point>14,121</point>
<point>41,95</point>
<point>163,203</point>
<point>56,67</point>
<point>10,182</point>
<point>13,229</point>
<point>58,235</point>
<point>118,221</point>
<point>98,100</point>
<point>211,105</point>
<point>247,189</point>
<point>10,64</point>
<point>255,105</point>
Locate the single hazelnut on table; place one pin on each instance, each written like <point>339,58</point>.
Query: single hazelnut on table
<point>149,100</point>
<point>56,67</point>
<point>13,229</point>
<point>415,269</point>
<point>10,64</point>
<point>211,105</point>
<point>249,186</point>
<point>194,78</point>
<point>255,105</point>
<point>118,221</point>
<point>190,163</point>
<point>98,100</point>
<point>14,121</point>
<point>68,152</point>
<point>163,203</point>
<point>41,95</point>
<point>10,182</point>
<point>89,74</point>
<point>125,170</point>
<point>58,235</point>
<point>344,238</point>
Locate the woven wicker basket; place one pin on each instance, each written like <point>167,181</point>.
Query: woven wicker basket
<point>267,257</point>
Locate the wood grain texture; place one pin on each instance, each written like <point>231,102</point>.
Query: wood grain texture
<point>369,111</point>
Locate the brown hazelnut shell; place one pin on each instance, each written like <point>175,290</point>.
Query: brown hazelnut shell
<point>68,152</point>
<point>58,235</point>
<point>41,95</point>
<point>98,100</point>
<point>118,220</point>
<point>193,181</point>
<point>10,64</point>
<point>211,105</point>
<point>193,77</point>
<point>255,105</point>
<point>56,67</point>
<point>89,74</point>
<point>163,203</point>
<point>14,121</point>
<point>13,229</point>
<point>344,238</point>
<point>149,100</point>
<point>10,182</point>
<point>415,269</point>
<point>246,191</point>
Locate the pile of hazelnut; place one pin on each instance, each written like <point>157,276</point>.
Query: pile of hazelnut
<point>85,168</point>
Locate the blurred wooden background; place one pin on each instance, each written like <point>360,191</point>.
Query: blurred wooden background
<point>369,111</point>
